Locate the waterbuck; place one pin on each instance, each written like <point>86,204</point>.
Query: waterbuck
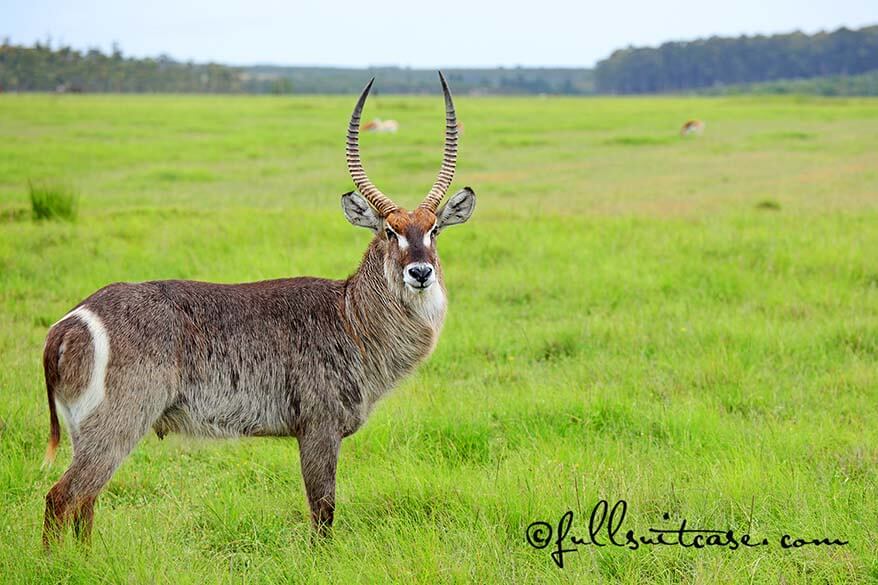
<point>299,357</point>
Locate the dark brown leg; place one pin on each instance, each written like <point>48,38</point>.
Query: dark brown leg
<point>97,452</point>
<point>73,497</point>
<point>58,505</point>
<point>83,519</point>
<point>100,443</point>
<point>318,451</point>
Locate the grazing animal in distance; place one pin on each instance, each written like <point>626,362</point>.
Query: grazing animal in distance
<point>381,126</point>
<point>692,127</point>
<point>296,357</point>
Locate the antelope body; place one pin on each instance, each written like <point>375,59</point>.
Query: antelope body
<point>299,357</point>
<point>381,126</point>
<point>692,127</point>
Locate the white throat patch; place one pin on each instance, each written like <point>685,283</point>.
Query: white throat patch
<point>430,304</point>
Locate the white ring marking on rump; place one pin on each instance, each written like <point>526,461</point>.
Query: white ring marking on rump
<point>94,393</point>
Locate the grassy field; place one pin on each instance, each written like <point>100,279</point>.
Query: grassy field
<point>689,325</point>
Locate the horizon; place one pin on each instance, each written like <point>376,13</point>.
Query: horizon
<point>561,37</point>
<point>56,44</point>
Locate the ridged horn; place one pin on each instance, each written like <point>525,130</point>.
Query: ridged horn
<point>382,204</point>
<point>449,159</point>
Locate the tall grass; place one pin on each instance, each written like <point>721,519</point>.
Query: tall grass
<point>53,200</point>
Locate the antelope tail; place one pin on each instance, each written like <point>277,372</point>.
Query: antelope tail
<point>50,367</point>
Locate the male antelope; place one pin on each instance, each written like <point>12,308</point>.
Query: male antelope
<point>301,357</point>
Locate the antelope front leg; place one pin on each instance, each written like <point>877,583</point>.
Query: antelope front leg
<point>318,451</point>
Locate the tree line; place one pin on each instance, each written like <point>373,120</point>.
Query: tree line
<point>42,68</point>
<point>714,62</point>
<point>498,81</point>
<point>836,63</point>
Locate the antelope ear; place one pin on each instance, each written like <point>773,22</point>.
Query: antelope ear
<point>359,212</point>
<point>458,209</point>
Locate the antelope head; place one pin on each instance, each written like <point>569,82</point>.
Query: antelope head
<point>408,238</point>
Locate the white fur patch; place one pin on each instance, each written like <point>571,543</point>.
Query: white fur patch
<point>427,237</point>
<point>431,305</point>
<point>400,239</point>
<point>94,393</point>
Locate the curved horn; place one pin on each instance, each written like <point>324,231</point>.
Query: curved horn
<point>449,160</point>
<point>379,200</point>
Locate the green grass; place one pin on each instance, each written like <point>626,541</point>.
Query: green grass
<point>53,201</point>
<point>690,325</point>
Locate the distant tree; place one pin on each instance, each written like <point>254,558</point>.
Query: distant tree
<point>716,61</point>
<point>282,86</point>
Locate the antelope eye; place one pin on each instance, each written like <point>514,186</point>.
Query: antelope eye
<point>390,234</point>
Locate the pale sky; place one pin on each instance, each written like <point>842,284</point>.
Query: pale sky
<point>448,33</point>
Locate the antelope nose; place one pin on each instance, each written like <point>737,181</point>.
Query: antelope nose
<point>421,272</point>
